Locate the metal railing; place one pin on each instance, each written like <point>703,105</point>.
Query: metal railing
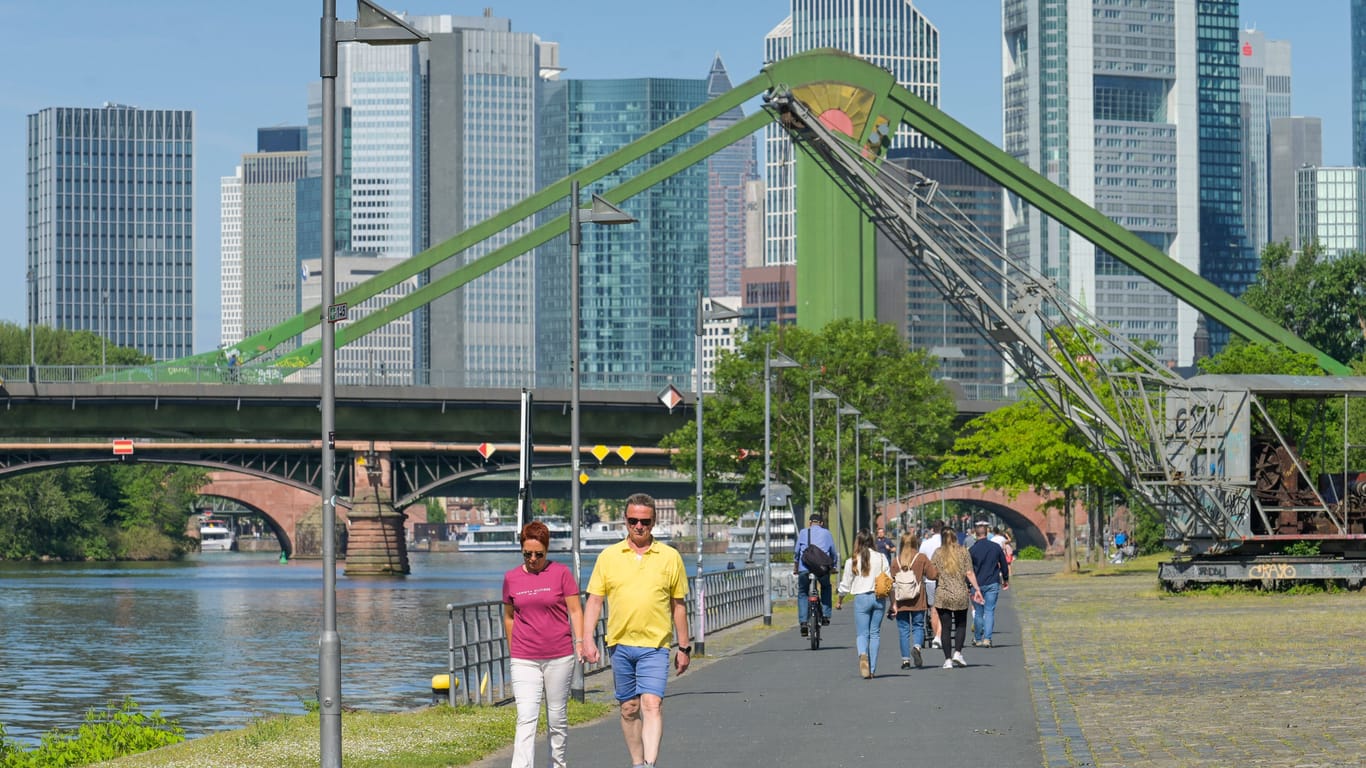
<point>479,662</point>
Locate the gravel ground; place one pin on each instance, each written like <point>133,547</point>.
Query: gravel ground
<point>1124,674</point>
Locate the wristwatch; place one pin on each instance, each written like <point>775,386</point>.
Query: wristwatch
<point>685,649</point>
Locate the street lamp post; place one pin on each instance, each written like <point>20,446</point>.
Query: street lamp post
<point>600,212</point>
<point>373,26</point>
<point>717,312</point>
<point>844,410</point>
<point>812,395</point>
<point>896,457</point>
<point>770,363</point>
<point>858,507</point>
<point>886,443</point>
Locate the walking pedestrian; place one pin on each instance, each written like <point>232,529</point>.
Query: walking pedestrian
<point>927,548</point>
<point>910,614</point>
<point>952,596</point>
<point>644,585</point>
<point>859,579</point>
<point>543,621</point>
<point>993,577</point>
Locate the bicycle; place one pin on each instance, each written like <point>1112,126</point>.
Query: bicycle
<point>814,614</point>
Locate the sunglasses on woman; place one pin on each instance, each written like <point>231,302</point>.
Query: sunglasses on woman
<point>532,555</point>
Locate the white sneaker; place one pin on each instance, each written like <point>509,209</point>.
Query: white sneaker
<point>936,644</point>
<point>947,664</point>
<point>957,660</point>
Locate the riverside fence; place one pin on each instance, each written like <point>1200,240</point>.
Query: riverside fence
<point>479,664</point>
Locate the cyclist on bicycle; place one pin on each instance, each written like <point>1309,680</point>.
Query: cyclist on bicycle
<point>818,537</point>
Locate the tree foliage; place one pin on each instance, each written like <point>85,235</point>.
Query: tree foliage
<point>863,362</point>
<point>1323,301</point>
<point>91,512</point>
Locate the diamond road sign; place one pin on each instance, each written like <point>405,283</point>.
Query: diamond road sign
<point>670,397</point>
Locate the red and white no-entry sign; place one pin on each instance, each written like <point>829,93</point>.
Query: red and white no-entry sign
<point>123,447</point>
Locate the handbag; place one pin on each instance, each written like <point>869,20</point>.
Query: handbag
<point>882,586</point>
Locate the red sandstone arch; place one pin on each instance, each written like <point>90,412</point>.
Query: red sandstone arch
<point>283,505</point>
<point>1025,514</point>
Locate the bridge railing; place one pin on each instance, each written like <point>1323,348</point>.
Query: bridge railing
<point>479,662</point>
<point>347,375</point>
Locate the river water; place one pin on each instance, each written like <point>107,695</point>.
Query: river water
<point>220,639</point>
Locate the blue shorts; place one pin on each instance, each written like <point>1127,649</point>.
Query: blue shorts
<point>639,670</point>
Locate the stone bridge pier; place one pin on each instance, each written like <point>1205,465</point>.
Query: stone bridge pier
<point>377,544</point>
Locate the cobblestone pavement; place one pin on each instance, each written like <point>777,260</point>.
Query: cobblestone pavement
<point>1125,675</point>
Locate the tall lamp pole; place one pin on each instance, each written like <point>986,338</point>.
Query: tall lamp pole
<point>770,363</point>
<point>858,506</point>
<point>845,410</point>
<point>812,395</point>
<point>717,312</point>
<point>373,26</point>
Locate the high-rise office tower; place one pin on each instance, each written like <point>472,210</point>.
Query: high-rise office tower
<point>638,283</point>
<point>439,141</point>
<point>1265,68</point>
<point>258,253</point>
<point>230,258</point>
<point>1358,22</point>
<point>727,173</point>
<point>891,34</point>
<point>111,224</point>
<point>482,81</point>
<point>1295,143</point>
<point>915,307</point>
<point>1331,208</point>
<point>1135,110</point>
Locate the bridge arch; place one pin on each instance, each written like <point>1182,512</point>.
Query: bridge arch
<point>1030,523</point>
<point>289,508</point>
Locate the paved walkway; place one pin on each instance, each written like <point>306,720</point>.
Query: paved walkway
<point>780,703</point>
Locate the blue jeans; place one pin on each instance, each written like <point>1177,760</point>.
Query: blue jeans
<point>868,613</point>
<point>910,623</point>
<point>984,618</point>
<point>804,592</point>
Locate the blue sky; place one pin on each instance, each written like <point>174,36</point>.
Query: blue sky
<point>245,64</point>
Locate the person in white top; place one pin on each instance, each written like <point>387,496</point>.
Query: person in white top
<point>928,548</point>
<point>860,576</point>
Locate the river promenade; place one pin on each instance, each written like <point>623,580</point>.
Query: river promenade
<point>1086,671</point>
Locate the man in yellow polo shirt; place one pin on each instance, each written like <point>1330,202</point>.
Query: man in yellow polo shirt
<point>644,584</point>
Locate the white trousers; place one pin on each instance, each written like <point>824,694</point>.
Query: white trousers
<point>530,679</point>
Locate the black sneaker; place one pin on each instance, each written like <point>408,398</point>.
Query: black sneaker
<point>805,630</point>
<point>825,622</point>
<point>905,663</point>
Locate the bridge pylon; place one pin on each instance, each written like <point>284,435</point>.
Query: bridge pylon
<point>376,542</point>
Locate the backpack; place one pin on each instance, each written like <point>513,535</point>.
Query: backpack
<point>905,586</point>
<point>882,586</point>
<point>817,560</point>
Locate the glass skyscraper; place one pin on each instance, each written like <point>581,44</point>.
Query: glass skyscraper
<point>891,34</point>
<point>727,171</point>
<point>1358,22</point>
<point>111,224</point>
<point>638,282</point>
<point>1265,66</point>
<point>1135,110</point>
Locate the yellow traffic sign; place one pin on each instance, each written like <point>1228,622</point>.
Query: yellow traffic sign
<point>583,478</point>
<point>626,452</point>
<point>600,452</point>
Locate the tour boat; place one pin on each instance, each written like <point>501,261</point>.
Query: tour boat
<point>216,538</point>
<point>499,537</point>
<point>784,534</point>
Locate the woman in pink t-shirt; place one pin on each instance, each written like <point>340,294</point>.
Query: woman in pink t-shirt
<point>543,620</point>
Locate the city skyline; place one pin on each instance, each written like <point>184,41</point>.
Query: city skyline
<point>238,74</point>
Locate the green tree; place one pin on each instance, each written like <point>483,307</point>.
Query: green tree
<point>1025,446</point>
<point>865,363</point>
<point>1323,301</point>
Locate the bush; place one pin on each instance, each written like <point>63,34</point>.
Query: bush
<point>1030,552</point>
<point>1302,549</point>
<point>114,731</point>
